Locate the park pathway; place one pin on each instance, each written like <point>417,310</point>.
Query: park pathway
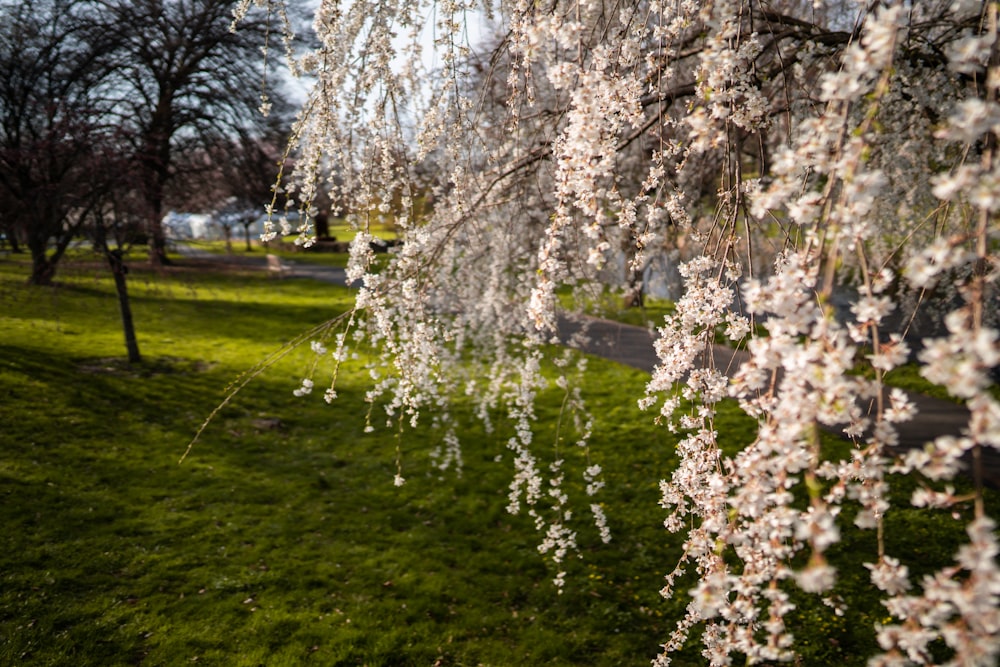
<point>633,346</point>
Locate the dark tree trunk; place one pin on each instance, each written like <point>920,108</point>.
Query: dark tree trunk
<point>157,242</point>
<point>635,289</point>
<point>119,271</point>
<point>634,295</point>
<point>42,269</point>
<point>156,160</point>
<point>246,235</point>
<point>322,223</point>
<point>15,245</point>
<point>43,264</point>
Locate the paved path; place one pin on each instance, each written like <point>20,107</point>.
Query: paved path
<point>633,346</point>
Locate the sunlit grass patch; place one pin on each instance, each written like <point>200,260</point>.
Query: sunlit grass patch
<point>281,538</point>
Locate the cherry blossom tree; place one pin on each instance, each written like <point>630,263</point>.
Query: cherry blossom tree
<point>792,156</point>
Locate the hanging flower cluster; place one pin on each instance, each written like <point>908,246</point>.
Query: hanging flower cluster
<point>824,178</point>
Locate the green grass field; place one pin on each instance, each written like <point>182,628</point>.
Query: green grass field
<point>286,248</point>
<point>281,539</point>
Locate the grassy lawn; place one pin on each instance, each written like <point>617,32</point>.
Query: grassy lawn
<point>286,251</point>
<point>281,539</point>
<point>286,248</point>
<point>274,543</point>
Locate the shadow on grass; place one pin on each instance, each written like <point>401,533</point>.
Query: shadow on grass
<point>282,539</point>
<point>271,544</point>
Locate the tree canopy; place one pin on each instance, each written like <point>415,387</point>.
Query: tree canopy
<point>51,136</point>
<point>183,81</point>
<point>823,176</point>
<point>106,103</point>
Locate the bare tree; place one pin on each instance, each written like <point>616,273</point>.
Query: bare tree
<point>183,81</point>
<point>49,124</point>
<point>114,226</point>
